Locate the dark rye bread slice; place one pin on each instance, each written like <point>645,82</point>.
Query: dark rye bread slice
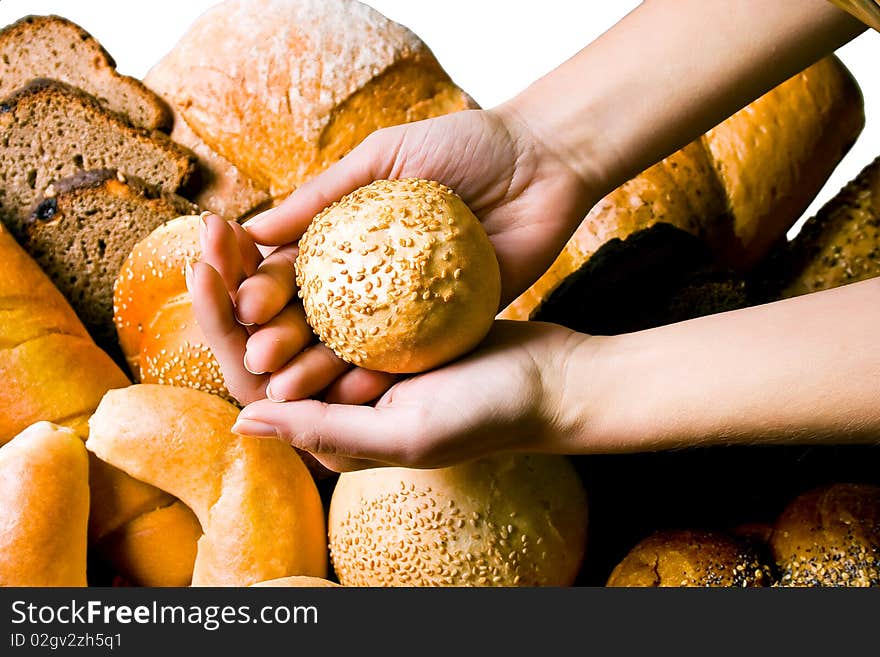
<point>54,47</point>
<point>83,230</point>
<point>50,130</point>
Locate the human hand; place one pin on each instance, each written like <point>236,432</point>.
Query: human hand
<point>528,199</point>
<point>506,396</point>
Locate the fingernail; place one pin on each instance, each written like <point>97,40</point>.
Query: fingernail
<point>255,428</point>
<point>249,368</point>
<point>203,234</point>
<point>271,398</point>
<point>239,320</point>
<point>188,275</point>
<point>257,218</point>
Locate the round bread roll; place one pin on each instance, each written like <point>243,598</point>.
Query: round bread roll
<point>690,558</point>
<point>830,536</point>
<point>153,312</point>
<point>297,581</point>
<point>398,276</point>
<point>504,520</point>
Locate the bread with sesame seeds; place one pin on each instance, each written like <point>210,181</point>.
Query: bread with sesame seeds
<point>837,246</point>
<point>829,536</point>
<point>258,506</point>
<point>84,228</point>
<point>298,83</point>
<point>739,187</point>
<point>153,313</point>
<point>691,558</point>
<point>398,276</point>
<point>501,520</point>
<point>54,47</point>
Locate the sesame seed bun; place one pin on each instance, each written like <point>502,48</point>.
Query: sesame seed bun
<point>398,276</point>
<point>691,558</point>
<point>504,520</point>
<point>153,312</point>
<point>830,536</point>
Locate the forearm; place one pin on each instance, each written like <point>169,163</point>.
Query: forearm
<point>668,72</point>
<point>801,370</point>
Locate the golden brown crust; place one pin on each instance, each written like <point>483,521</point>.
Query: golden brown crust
<point>690,558</point>
<point>398,276</point>
<point>300,83</point>
<point>256,501</point>
<point>297,581</point>
<point>739,187</point>
<point>139,548</point>
<point>218,185</point>
<point>44,475</point>
<point>830,536</point>
<point>152,310</point>
<point>504,520</point>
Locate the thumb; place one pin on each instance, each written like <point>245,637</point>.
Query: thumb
<point>386,434</point>
<point>371,160</point>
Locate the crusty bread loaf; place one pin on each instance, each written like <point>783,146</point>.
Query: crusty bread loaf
<point>52,130</point>
<point>81,232</point>
<point>217,185</point>
<point>689,558</point>
<point>53,47</point>
<point>739,187</point>
<point>153,313</point>
<point>830,536</point>
<point>298,83</point>
<point>44,488</point>
<point>839,245</point>
<point>398,276</point>
<point>52,370</point>
<point>256,501</point>
<point>502,520</point>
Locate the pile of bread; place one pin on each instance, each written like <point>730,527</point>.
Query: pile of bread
<point>117,455</point>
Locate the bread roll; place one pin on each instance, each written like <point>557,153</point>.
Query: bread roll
<point>504,520</point>
<point>44,488</point>
<point>52,370</point>
<point>297,581</point>
<point>830,536</point>
<point>256,502</point>
<point>691,558</point>
<point>739,187</point>
<point>398,276</point>
<point>153,314</point>
<point>298,83</point>
<point>840,245</point>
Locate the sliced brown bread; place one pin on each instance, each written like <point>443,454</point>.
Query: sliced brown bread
<point>83,230</point>
<point>50,130</point>
<point>54,47</point>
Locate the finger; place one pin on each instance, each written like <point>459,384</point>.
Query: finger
<point>225,336</point>
<point>264,294</point>
<point>385,435</point>
<point>308,373</point>
<point>272,345</point>
<point>220,250</point>
<point>359,386</point>
<point>344,464</point>
<point>372,159</point>
<point>250,254</point>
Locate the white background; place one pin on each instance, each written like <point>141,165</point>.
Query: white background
<point>491,48</point>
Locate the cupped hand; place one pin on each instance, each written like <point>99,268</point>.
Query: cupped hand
<point>506,396</point>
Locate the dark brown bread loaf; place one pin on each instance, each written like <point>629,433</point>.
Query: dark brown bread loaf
<point>50,130</point>
<point>84,229</point>
<point>53,47</point>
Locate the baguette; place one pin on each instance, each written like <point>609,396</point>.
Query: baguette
<point>739,187</point>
